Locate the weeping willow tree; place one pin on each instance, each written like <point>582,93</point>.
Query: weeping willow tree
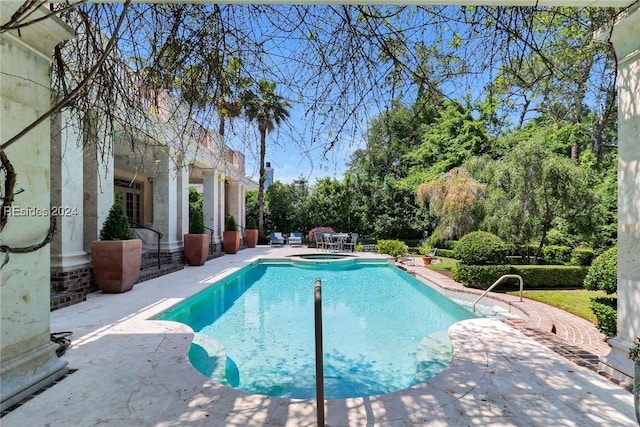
<point>456,200</point>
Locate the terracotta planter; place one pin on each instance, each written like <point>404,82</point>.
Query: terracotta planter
<point>426,260</point>
<point>231,241</point>
<point>251,238</point>
<point>196,248</point>
<point>116,264</point>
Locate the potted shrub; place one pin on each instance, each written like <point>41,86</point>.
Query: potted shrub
<point>196,242</point>
<point>231,236</point>
<point>251,233</point>
<point>426,251</point>
<point>116,257</point>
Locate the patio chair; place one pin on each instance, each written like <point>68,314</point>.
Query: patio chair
<point>351,243</point>
<point>329,242</point>
<point>319,239</point>
<point>295,239</point>
<point>275,238</point>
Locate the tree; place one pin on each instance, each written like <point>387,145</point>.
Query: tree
<point>531,189</point>
<point>268,109</point>
<point>457,201</point>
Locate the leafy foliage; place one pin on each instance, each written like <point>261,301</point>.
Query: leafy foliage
<point>196,221</point>
<point>394,248</point>
<point>116,226</point>
<point>481,248</point>
<point>582,256</point>
<point>606,311</point>
<point>456,199</point>
<point>555,254</point>
<point>530,189</point>
<point>603,273</point>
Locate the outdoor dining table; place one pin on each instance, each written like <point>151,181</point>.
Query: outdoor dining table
<point>340,239</point>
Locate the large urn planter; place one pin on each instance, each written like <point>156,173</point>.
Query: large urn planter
<point>251,238</point>
<point>196,248</point>
<point>230,236</point>
<point>116,264</point>
<point>231,241</point>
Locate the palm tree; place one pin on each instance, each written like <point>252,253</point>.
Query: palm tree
<point>268,109</point>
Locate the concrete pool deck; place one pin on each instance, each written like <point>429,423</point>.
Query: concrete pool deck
<point>129,371</point>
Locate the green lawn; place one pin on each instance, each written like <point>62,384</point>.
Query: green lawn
<point>575,301</point>
<point>444,264</point>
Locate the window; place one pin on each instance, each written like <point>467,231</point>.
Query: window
<point>129,195</point>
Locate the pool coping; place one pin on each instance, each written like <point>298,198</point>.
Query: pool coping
<point>132,371</point>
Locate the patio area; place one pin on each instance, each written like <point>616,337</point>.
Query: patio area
<point>129,371</point>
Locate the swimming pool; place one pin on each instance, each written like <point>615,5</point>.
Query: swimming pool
<point>383,329</point>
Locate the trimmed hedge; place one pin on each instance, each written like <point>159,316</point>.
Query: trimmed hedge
<point>481,248</point>
<point>554,254</point>
<point>606,312</point>
<point>478,276</point>
<point>446,253</point>
<point>551,276</point>
<point>533,276</point>
<point>582,256</point>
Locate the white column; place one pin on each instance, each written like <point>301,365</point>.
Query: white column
<point>220,211</point>
<point>97,172</point>
<point>165,200</point>
<point>28,360</point>
<point>67,192</point>
<point>182,196</point>
<point>209,202</point>
<point>626,41</point>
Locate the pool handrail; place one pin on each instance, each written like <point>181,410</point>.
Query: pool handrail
<point>506,276</point>
<point>317,290</point>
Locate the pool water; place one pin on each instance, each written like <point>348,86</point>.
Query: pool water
<point>383,329</point>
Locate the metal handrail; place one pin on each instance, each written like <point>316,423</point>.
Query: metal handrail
<point>211,231</point>
<point>317,291</point>
<point>506,276</point>
<point>138,225</point>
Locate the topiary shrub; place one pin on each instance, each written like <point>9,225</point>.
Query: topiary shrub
<point>394,248</point>
<point>196,222</point>
<point>558,255</point>
<point>481,248</point>
<point>606,311</point>
<point>603,273</point>
<point>116,226</point>
<point>230,224</point>
<point>478,276</point>
<point>582,256</point>
<point>252,224</point>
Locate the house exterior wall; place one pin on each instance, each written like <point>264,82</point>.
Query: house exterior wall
<point>27,356</point>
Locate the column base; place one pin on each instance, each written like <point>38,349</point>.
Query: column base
<point>617,363</point>
<point>24,375</point>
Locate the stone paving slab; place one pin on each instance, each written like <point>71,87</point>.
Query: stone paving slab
<point>132,371</point>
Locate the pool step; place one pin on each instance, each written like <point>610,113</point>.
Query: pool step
<point>433,354</point>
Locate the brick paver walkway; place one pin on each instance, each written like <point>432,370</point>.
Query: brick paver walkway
<point>571,336</point>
